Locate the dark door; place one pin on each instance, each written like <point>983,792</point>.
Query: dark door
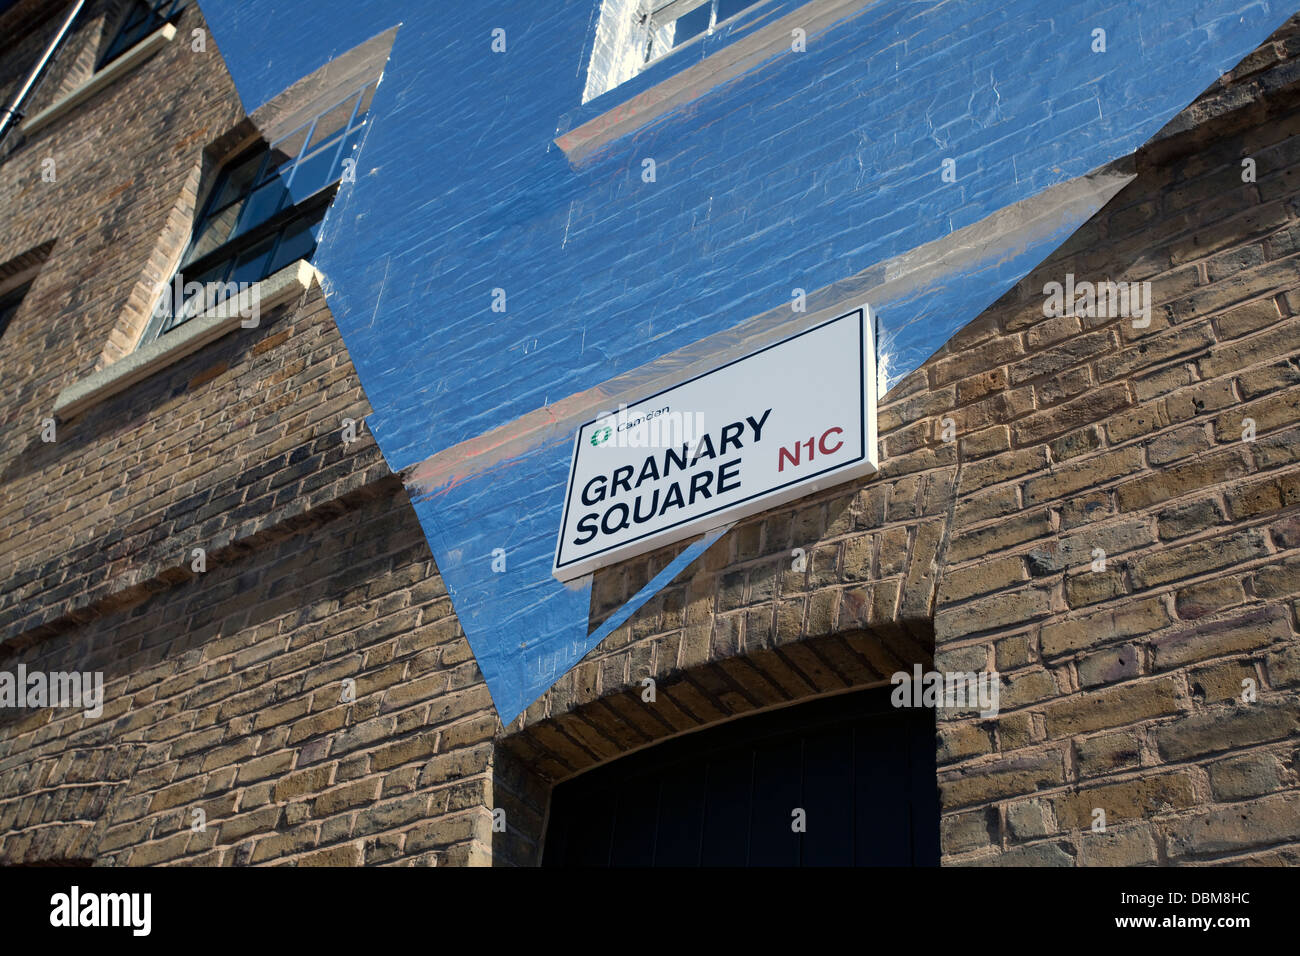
<point>861,771</point>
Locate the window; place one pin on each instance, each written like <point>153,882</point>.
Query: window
<point>264,211</point>
<point>9,303</point>
<point>670,23</point>
<point>143,17</point>
<point>635,33</point>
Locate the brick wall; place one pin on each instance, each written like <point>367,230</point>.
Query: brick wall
<point>226,690</point>
<point>242,436</point>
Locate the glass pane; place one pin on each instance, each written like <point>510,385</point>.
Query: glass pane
<point>196,296</point>
<point>287,149</point>
<point>331,121</point>
<point>146,25</point>
<point>729,8</point>
<point>112,53</point>
<point>138,23</point>
<point>298,242</point>
<point>692,24</point>
<point>252,265</point>
<point>127,38</point>
<point>265,202</point>
<point>238,180</point>
<point>315,172</point>
<point>135,16</point>
<point>215,231</point>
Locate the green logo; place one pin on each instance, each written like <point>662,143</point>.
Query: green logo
<point>601,435</point>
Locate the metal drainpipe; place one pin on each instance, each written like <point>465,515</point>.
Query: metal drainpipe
<point>13,112</point>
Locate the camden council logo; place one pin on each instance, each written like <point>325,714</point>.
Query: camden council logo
<point>601,435</point>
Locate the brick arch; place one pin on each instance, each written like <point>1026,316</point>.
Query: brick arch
<point>763,589</point>
<point>528,764</point>
<point>718,650</point>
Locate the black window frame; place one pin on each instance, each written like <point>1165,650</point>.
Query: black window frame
<point>142,19</point>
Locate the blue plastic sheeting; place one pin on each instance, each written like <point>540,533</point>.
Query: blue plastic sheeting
<point>526,630</point>
<point>804,172</point>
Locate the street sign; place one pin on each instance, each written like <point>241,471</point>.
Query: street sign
<point>787,420</point>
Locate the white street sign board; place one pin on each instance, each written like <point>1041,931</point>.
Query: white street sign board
<point>794,417</point>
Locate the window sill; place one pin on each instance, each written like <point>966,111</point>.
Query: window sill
<point>287,284</point>
<point>619,114</point>
<point>103,78</point>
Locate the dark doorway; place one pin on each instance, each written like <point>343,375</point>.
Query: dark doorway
<point>862,771</point>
